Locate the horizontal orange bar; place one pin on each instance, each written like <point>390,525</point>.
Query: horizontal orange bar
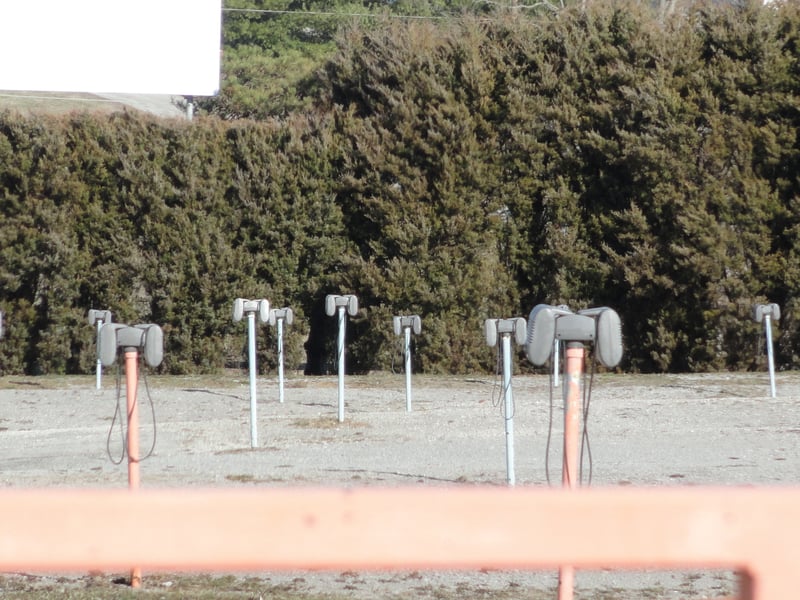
<point>393,528</point>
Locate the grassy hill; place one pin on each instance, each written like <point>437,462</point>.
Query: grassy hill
<point>67,102</point>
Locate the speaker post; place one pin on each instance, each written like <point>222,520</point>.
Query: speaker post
<point>99,317</point>
<point>506,329</point>
<point>405,325</point>
<point>251,308</point>
<point>339,305</point>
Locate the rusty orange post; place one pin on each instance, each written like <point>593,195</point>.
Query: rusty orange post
<point>131,380</point>
<point>573,372</point>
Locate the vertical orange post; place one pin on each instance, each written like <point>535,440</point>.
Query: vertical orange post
<point>573,372</point>
<point>131,380</point>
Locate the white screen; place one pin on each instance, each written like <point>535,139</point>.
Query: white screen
<point>122,46</point>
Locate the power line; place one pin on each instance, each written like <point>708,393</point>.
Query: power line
<point>548,4</point>
<point>319,13</point>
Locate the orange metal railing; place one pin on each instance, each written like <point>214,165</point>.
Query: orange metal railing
<point>754,530</point>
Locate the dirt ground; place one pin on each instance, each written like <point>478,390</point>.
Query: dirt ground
<point>668,430</point>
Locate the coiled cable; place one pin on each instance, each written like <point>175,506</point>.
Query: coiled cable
<point>122,427</point>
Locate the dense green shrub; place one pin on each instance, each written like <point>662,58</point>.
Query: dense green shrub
<point>418,192</point>
<point>458,169</point>
<point>162,222</point>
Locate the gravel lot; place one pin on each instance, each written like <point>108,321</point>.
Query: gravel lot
<point>668,430</point>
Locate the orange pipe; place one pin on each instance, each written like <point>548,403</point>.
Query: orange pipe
<point>131,381</point>
<point>573,373</point>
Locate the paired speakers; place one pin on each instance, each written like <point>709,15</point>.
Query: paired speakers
<point>412,322</point>
<point>242,307</point>
<point>766,310</point>
<point>493,327</point>
<point>147,339</point>
<point>600,326</point>
<point>333,302</point>
<point>280,313</point>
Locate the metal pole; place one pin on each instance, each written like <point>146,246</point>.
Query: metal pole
<point>508,403</point>
<point>131,378</point>
<point>407,332</point>
<point>340,355</point>
<point>770,358</point>
<point>279,323</point>
<point>556,348</point>
<point>99,375</point>
<point>251,340</point>
<point>573,373</point>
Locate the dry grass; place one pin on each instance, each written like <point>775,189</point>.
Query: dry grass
<point>56,103</point>
<point>161,586</point>
<point>165,586</point>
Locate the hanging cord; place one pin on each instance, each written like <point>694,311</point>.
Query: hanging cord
<point>498,389</point>
<point>407,352</point>
<point>340,351</point>
<point>549,427</point>
<point>152,410</point>
<point>497,392</point>
<point>567,476</point>
<point>401,342</point>
<point>399,347</point>
<point>585,445</point>
<point>761,344</point>
<point>506,390</point>
<point>118,412</point>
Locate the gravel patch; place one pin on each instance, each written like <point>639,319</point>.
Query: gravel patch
<point>666,430</point>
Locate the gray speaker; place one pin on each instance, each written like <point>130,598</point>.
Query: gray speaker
<point>238,309</point>
<point>416,324</point>
<point>520,331</point>
<point>152,344</point>
<point>107,342</point>
<point>398,329</point>
<point>330,305</point>
<point>263,310</point>
<point>608,346</point>
<point>281,313</point>
<point>352,305</point>
<point>542,332</point>
<point>776,312</point>
<point>490,332</point>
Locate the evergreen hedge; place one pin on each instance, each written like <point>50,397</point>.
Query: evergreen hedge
<point>458,169</point>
